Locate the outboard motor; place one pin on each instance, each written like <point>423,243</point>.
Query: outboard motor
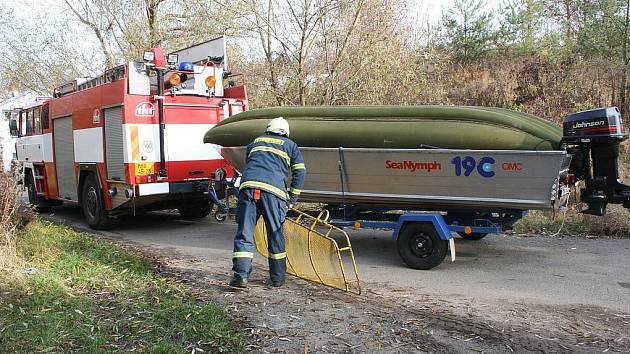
<point>592,138</point>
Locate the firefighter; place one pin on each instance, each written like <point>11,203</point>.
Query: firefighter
<point>263,192</point>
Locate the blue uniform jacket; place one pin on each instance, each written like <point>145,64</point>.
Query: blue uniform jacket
<point>270,158</point>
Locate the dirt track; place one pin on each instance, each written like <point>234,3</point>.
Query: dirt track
<point>566,295</point>
<point>303,316</point>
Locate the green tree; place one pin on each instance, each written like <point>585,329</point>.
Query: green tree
<point>469,33</point>
<point>605,34</point>
<point>568,15</point>
<point>521,28</point>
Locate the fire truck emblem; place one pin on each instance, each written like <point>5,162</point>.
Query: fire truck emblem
<point>147,146</point>
<point>96,116</point>
<point>145,109</point>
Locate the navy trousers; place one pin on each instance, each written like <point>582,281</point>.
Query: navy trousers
<point>273,210</point>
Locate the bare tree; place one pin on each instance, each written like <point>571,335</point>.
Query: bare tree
<point>305,45</point>
<point>335,48</point>
<point>35,57</point>
<point>152,10</point>
<point>263,28</point>
<point>93,14</point>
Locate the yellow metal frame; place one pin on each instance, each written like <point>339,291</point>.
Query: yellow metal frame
<point>316,227</point>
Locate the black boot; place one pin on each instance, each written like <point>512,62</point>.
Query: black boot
<point>237,282</point>
<point>277,283</point>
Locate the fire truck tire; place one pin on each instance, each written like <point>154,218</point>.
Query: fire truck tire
<point>196,210</point>
<point>420,246</point>
<point>475,236</point>
<point>36,202</point>
<point>93,206</point>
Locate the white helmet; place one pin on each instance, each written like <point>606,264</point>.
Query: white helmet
<point>278,126</point>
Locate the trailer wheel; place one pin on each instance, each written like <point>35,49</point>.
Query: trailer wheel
<point>93,206</point>
<point>420,246</point>
<point>475,236</point>
<point>37,203</point>
<point>196,210</point>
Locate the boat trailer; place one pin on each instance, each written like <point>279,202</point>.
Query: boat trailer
<point>424,237</point>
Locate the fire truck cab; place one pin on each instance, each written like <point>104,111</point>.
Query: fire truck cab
<point>131,139</point>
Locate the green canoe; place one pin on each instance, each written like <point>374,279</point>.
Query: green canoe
<point>397,127</point>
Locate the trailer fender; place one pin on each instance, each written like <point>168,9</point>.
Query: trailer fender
<point>435,219</point>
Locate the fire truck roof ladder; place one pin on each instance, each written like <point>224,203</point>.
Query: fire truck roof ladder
<point>84,83</point>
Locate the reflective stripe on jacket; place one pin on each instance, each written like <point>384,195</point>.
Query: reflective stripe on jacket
<point>270,160</point>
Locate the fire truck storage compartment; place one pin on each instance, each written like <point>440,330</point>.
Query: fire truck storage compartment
<point>64,158</point>
<point>114,143</point>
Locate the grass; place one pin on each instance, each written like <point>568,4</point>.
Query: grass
<point>94,297</point>
<point>543,223</point>
<point>616,223</point>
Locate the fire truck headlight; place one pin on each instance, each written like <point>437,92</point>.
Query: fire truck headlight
<point>148,56</point>
<point>172,59</point>
<point>175,79</point>
<point>211,81</point>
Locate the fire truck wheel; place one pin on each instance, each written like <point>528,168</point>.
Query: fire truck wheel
<point>196,211</point>
<point>93,207</point>
<point>475,236</point>
<point>420,246</point>
<point>37,203</point>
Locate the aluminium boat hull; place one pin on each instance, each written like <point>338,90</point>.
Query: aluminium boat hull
<point>428,179</point>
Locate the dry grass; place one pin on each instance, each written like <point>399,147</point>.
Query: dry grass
<point>9,191</point>
<point>616,222</point>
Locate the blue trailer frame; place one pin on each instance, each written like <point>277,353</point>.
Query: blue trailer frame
<point>436,219</point>
<point>469,224</point>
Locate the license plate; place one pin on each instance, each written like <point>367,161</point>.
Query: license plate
<point>144,168</point>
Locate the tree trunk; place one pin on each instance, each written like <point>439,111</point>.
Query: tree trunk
<point>302,54</point>
<point>626,62</point>
<point>264,34</point>
<point>152,9</point>
<point>87,18</point>
<point>332,71</point>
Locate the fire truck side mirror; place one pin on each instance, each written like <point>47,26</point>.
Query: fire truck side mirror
<point>13,128</point>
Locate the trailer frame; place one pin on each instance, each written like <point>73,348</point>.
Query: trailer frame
<point>422,227</point>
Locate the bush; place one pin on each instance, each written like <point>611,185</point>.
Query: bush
<point>9,193</point>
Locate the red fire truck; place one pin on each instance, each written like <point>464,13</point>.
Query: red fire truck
<point>131,139</point>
